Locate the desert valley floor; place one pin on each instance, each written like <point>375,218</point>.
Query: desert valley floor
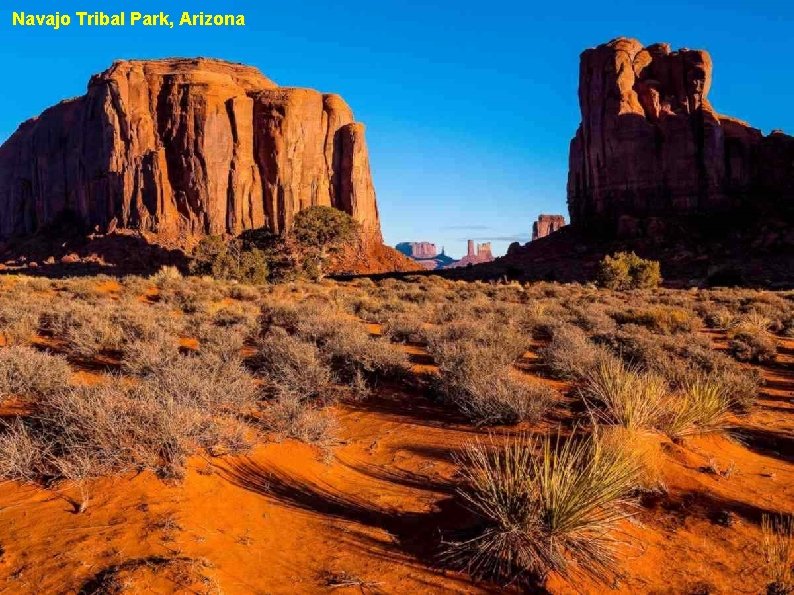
<point>368,509</point>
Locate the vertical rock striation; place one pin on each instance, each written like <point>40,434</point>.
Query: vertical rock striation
<point>651,146</point>
<point>186,147</point>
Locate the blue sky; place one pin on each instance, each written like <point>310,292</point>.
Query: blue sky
<point>469,106</point>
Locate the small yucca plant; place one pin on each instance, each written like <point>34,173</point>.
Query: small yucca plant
<point>778,544</point>
<point>545,505</point>
<point>620,394</point>
<point>700,408</point>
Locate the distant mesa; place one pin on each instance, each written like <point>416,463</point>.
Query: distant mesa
<point>474,255</point>
<point>546,225</point>
<point>425,254</point>
<point>418,250</point>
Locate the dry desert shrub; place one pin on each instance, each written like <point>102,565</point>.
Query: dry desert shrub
<point>404,327</point>
<point>293,365</point>
<point>344,343</point>
<point>659,319</point>
<point>544,505</point>
<point>594,319</point>
<point>778,547</point>
<point>135,286</point>
<point>87,329</point>
<point>749,343</point>
<point>354,354</point>
<point>168,277</point>
<point>187,298</point>
<point>243,292</point>
<point>18,325</point>
<point>682,361</point>
<point>291,415</point>
<point>498,344</point>
<point>112,427</point>
<point>27,372</point>
<point>148,354</point>
<point>626,270</point>
<point>243,317</point>
<point>476,375</point>
<point>571,354</point>
<point>717,317</point>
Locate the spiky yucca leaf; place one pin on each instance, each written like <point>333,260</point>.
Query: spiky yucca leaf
<point>700,408</point>
<point>545,505</point>
<point>620,394</point>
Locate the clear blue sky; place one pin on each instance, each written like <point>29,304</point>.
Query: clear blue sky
<point>469,105</point>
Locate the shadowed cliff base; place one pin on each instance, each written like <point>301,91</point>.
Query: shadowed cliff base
<point>689,257</point>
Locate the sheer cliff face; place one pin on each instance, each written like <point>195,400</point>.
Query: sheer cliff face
<point>183,148</point>
<point>650,144</point>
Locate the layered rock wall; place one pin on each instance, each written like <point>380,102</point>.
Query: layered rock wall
<point>418,249</point>
<point>183,148</point>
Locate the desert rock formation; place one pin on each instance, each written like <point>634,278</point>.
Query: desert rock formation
<point>651,146</point>
<point>183,148</point>
<point>418,249</point>
<point>546,224</point>
<point>475,254</point>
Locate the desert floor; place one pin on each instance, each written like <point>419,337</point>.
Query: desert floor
<point>367,514</point>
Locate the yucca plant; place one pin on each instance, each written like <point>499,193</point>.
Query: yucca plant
<point>545,505</point>
<point>700,408</point>
<point>620,394</point>
<point>778,544</point>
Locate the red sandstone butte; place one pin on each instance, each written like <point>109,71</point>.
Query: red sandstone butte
<point>546,224</point>
<point>186,147</point>
<point>651,146</point>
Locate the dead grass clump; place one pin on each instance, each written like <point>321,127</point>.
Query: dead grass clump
<point>778,547</point>
<point>292,415</point>
<point>480,383</point>
<point>748,343</point>
<point>571,354</point>
<point>27,372</point>
<point>659,319</point>
<point>544,505</point>
<point>294,365</point>
<point>112,427</point>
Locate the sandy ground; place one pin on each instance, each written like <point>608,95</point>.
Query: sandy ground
<point>289,519</point>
